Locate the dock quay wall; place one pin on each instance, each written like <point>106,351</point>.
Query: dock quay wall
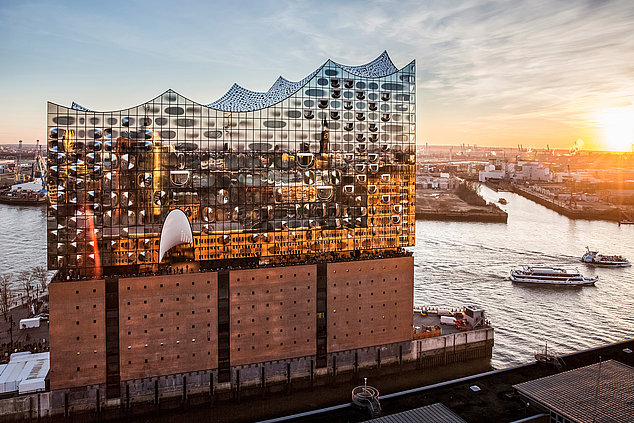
<point>562,208</point>
<point>278,376</point>
<point>467,216</point>
<point>453,348</point>
<point>33,407</point>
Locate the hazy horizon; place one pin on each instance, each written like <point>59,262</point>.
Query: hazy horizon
<point>489,73</point>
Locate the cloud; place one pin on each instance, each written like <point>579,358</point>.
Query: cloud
<point>477,60</point>
<point>493,60</point>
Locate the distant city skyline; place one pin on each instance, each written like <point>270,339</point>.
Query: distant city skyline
<point>535,73</point>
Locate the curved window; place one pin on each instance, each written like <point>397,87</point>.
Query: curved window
<point>185,122</point>
<point>393,86</point>
<point>64,120</point>
<point>174,110</point>
<point>294,114</point>
<point>211,134</point>
<point>315,92</point>
<point>276,124</point>
<point>168,135</point>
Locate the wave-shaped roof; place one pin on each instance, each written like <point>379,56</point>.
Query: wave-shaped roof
<point>79,107</point>
<point>240,99</point>
<point>379,67</point>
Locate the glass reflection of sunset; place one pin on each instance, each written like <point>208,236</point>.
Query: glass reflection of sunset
<point>618,128</point>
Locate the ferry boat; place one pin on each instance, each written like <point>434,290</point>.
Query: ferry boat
<point>550,276</point>
<point>593,258</point>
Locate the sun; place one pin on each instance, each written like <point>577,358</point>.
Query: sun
<point>618,128</point>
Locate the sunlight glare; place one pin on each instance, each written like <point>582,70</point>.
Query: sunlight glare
<point>618,128</point>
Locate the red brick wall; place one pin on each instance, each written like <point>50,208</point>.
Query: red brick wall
<point>77,333</point>
<point>168,324</point>
<point>369,302</point>
<point>272,313</point>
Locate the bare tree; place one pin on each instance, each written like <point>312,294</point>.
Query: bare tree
<point>40,274</point>
<point>26,280</point>
<point>6,295</point>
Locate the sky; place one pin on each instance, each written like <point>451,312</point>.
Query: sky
<point>489,73</point>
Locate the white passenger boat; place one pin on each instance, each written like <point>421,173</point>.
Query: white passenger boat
<point>550,276</point>
<point>593,258</point>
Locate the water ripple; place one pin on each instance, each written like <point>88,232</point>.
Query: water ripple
<point>460,263</point>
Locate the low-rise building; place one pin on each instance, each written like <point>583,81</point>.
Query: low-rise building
<point>441,180</point>
<point>602,392</point>
<point>531,171</point>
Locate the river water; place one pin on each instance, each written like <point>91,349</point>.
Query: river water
<point>462,263</point>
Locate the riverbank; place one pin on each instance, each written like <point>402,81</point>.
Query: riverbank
<point>447,206</point>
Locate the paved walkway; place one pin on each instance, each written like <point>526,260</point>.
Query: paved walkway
<point>33,339</point>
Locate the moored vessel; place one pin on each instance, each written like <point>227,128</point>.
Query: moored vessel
<point>550,276</point>
<point>27,194</point>
<point>28,190</point>
<point>593,258</point>
<point>551,358</point>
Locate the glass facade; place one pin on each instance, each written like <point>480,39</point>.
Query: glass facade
<point>320,167</point>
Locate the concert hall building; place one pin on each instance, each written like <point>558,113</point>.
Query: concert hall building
<point>200,246</point>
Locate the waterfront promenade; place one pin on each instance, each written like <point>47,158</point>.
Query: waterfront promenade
<point>13,339</point>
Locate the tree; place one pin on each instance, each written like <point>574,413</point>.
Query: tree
<point>6,295</point>
<point>468,192</point>
<point>40,274</point>
<point>26,280</point>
